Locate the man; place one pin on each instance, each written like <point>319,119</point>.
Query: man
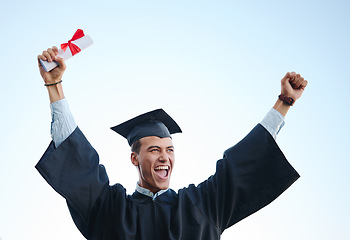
<point>250,175</point>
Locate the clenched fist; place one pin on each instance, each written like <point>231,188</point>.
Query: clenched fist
<point>293,85</point>
<point>55,74</point>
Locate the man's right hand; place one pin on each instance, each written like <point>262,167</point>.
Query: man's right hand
<point>55,74</point>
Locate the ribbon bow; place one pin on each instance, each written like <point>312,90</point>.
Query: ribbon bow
<point>73,48</point>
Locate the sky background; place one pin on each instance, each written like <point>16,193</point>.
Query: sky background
<point>214,66</point>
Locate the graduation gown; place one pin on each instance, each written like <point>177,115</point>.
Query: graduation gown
<point>250,175</point>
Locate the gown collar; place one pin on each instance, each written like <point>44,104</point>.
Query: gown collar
<point>148,193</point>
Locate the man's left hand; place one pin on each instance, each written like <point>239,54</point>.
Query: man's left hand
<point>293,85</point>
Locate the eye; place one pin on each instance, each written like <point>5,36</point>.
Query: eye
<point>170,150</point>
<point>154,150</point>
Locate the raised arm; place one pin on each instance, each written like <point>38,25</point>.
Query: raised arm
<point>292,86</point>
<point>53,78</point>
<point>252,173</point>
<point>63,123</point>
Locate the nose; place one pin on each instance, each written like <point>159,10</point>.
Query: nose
<point>163,157</point>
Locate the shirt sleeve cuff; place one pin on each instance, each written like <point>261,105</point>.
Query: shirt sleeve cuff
<point>59,107</point>
<point>63,123</point>
<point>273,122</point>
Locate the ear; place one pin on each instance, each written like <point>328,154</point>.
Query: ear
<point>134,159</point>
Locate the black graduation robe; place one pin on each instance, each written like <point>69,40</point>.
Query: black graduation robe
<point>250,175</point>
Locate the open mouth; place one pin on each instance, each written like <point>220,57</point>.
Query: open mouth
<point>162,171</point>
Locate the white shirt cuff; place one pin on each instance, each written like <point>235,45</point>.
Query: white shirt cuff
<point>63,123</point>
<point>273,122</point>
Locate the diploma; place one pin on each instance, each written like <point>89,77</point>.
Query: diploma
<point>78,43</point>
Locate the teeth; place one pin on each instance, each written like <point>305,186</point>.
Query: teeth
<point>162,168</point>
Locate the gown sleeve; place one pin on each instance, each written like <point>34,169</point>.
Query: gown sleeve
<point>251,175</point>
<point>73,170</point>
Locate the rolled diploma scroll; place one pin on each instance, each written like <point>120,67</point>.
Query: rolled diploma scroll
<point>82,43</point>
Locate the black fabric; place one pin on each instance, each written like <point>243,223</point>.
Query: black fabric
<point>154,123</point>
<point>250,175</point>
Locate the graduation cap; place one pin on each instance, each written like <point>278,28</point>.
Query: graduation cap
<point>155,123</point>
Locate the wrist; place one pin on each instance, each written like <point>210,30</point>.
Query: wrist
<point>286,99</point>
<point>52,84</point>
<point>282,107</point>
<point>55,91</point>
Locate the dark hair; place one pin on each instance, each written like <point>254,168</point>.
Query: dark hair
<point>136,146</point>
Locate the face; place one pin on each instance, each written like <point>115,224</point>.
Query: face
<point>155,162</point>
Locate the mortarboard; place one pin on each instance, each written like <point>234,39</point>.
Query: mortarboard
<point>155,123</point>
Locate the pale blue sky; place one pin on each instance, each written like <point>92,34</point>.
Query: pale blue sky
<point>214,66</point>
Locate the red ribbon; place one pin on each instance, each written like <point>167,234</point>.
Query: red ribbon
<point>73,48</point>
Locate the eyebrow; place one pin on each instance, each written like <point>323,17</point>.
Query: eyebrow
<point>150,147</point>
